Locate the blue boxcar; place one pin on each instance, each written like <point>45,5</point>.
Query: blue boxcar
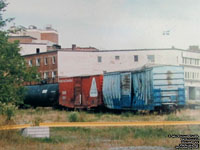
<point>157,87</point>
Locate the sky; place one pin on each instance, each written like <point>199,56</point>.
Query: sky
<point>113,24</point>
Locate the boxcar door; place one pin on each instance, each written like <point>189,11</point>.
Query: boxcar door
<point>77,92</point>
<point>125,90</point>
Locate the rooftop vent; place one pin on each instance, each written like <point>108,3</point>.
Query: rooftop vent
<point>48,27</point>
<point>194,47</point>
<point>32,27</point>
<point>73,47</point>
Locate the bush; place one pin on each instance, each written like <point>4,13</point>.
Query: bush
<point>37,120</point>
<point>73,117</point>
<point>8,110</point>
<point>76,117</point>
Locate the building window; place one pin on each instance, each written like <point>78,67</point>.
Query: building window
<point>37,61</point>
<point>30,63</point>
<point>37,50</point>
<point>117,57</point>
<point>151,58</point>
<point>99,59</point>
<point>135,58</point>
<point>53,74</point>
<point>53,59</point>
<point>183,60</point>
<point>46,75</point>
<point>45,61</point>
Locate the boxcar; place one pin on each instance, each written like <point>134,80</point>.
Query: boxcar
<point>152,88</point>
<point>81,92</point>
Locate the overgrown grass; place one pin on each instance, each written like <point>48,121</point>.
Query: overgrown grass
<point>174,117</point>
<point>94,138</point>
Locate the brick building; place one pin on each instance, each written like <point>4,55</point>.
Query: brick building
<point>74,62</point>
<point>32,40</point>
<point>47,65</point>
<point>47,62</point>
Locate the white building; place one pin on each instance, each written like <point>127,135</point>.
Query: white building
<point>75,63</point>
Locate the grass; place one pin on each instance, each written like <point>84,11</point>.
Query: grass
<point>103,138</point>
<point>95,138</point>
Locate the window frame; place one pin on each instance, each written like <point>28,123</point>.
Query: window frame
<point>99,59</point>
<point>136,58</point>
<point>151,58</point>
<point>45,60</point>
<point>30,62</point>
<point>117,57</point>
<point>53,59</point>
<point>37,62</point>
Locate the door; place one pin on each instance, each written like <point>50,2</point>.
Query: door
<point>125,83</point>
<point>77,92</point>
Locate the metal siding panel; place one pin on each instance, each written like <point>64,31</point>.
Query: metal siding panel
<point>66,90</point>
<point>77,92</point>
<point>125,89</point>
<point>166,69</point>
<point>178,75</point>
<point>168,81</point>
<point>168,87</point>
<point>139,90</point>
<point>111,90</point>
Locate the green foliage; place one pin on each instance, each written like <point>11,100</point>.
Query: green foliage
<point>13,72</point>
<point>126,114</point>
<point>76,117</point>
<point>8,110</point>
<point>13,69</point>
<point>37,121</point>
<point>150,132</point>
<point>3,21</point>
<point>73,117</point>
<point>173,117</point>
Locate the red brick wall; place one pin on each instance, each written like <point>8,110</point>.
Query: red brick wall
<point>53,37</point>
<point>21,40</point>
<point>50,67</point>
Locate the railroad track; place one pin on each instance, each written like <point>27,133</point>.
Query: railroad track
<point>104,124</point>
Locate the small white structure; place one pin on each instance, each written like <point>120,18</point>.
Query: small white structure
<point>36,132</point>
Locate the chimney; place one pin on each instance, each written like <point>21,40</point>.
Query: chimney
<point>73,47</point>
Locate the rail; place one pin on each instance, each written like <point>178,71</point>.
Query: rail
<point>103,124</point>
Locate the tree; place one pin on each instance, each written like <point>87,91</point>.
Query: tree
<point>13,69</point>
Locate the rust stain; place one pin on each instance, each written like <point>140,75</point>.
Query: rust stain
<point>169,77</point>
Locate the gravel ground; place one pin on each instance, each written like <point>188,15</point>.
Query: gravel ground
<point>141,148</point>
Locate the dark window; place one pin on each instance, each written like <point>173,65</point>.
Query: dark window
<point>37,50</point>
<point>136,58</point>
<point>38,62</point>
<point>30,63</point>
<point>45,61</point>
<point>151,58</point>
<point>117,57</point>
<point>53,59</point>
<point>99,59</point>
<point>53,74</point>
<point>46,74</point>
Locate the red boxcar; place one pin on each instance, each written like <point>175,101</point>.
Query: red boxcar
<point>81,92</point>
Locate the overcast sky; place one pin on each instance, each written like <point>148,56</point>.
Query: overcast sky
<point>114,24</point>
